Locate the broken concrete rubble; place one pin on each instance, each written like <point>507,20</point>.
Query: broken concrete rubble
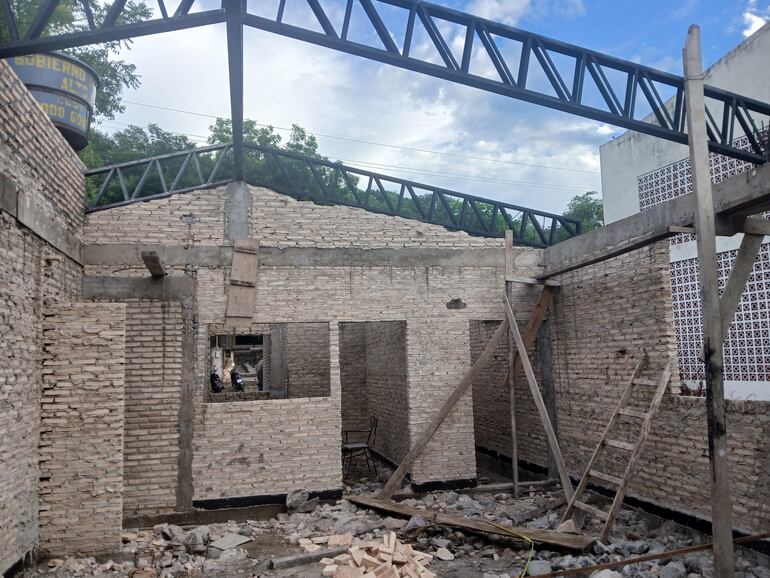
<point>152,554</point>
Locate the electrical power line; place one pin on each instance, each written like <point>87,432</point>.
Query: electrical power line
<point>348,139</point>
<point>408,170</point>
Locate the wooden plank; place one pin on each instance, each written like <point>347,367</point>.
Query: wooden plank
<point>633,413</point>
<point>595,512</point>
<point>713,335</point>
<point>306,558</point>
<point>605,477</point>
<point>640,365</point>
<point>538,399</point>
<point>511,366</point>
<point>244,261</point>
<point>569,541</point>
<point>531,280</point>
<point>395,480</point>
<point>154,266</point>
<point>620,445</point>
<point>654,405</point>
<point>744,263</point>
<point>243,282</point>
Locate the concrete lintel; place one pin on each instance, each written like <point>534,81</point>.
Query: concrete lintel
<point>169,288</point>
<point>744,194</point>
<point>40,218</point>
<point>221,256</point>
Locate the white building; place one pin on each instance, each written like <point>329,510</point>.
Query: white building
<point>640,171</point>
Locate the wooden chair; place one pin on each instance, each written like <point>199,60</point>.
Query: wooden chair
<point>353,449</point>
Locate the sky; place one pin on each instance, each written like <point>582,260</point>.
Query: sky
<point>405,124</point>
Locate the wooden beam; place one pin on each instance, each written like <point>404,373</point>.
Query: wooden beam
<point>549,537</point>
<point>530,280</point>
<point>744,263</point>
<point>713,336</point>
<point>541,409</point>
<point>406,464</point>
<point>511,364</point>
<point>153,264</point>
<point>744,194</point>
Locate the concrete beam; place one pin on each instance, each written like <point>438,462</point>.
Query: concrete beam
<point>221,256</point>
<point>742,195</point>
<point>153,264</point>
<point>170,288</point>
<point>39,216</point>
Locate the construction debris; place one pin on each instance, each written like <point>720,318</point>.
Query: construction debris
<point>568,541</point>
<point>389,558</point>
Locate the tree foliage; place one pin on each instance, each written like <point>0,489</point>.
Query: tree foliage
<point>69,16</point>
<point>588,209</point>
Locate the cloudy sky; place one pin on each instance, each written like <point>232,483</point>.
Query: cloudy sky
<point>402,123</point>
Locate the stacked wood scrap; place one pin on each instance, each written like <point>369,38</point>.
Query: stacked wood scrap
<point>389,558</point>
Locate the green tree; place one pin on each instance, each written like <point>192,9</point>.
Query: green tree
<point>588,209</point>
<point>69,16</point>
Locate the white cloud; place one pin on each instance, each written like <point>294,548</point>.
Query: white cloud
<point>506,11</point>
<point>754,18</point>
<point>327,92</point>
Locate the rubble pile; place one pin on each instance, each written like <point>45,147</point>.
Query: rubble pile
<point>247,548</point>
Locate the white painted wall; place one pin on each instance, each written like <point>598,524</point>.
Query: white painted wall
<point>743,70</point>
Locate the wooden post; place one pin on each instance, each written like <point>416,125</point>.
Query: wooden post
<point>721,510</point>
<point>744,264</point>
<point>541,410</point>
<point>511,364</point>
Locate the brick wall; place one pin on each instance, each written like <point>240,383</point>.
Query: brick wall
<point>355,413</point>
<point>81,439</point>
<point>251,448</point>
<point>188,219</point>
<point>386,387</point>
<point>153,385</point>
<point>307,359</point>
<point>603,316</point>
<point>36,158</point>
<point>33,275</point>
<point>334,294</point>
<point>491,396</point>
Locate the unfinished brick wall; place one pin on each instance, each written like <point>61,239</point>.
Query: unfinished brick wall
<point>386,387</point>
<point>33,275</point>
<point>307,359</point>
<point>253,448</point>
<point>81,438</point>
<point>187,219</point>
<point>375,291</point>
<point>355,412</point>
<point>604,315</point>
<point>153,386</point>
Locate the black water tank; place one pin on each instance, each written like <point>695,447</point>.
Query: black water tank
<point>65,87</point>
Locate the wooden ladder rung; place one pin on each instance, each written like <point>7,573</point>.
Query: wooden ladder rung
<point>634,413</point>
<point>619,444</point>
<point>591,510</point>
<point>642,381</point>
<point>606,477</point>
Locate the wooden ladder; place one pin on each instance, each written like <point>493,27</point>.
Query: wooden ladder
<point>635,450</point>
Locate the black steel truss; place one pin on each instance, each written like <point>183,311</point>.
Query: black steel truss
<point>492,57</point>
<point>323,182</point>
